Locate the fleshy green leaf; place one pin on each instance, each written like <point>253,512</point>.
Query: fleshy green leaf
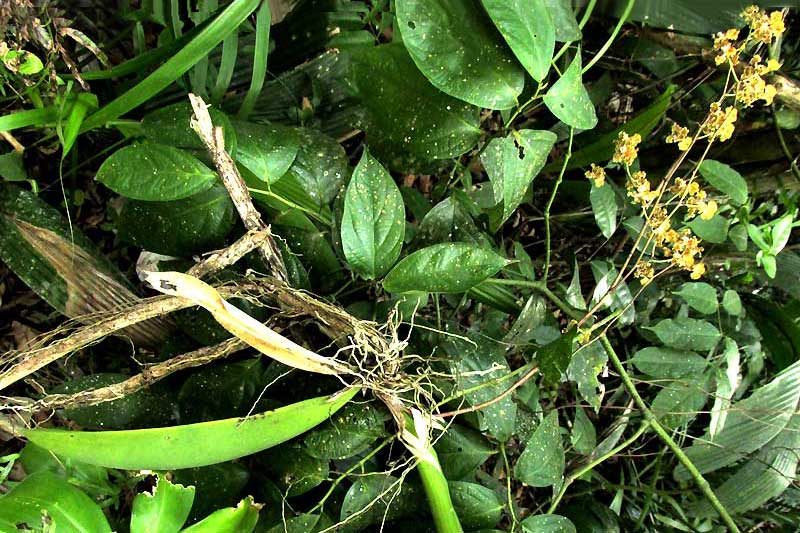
<point>68,508</point>
<point>163,511</point>
<point>176,447</point>
<point>321,167</point>
<point>374,220</point>
<point>700,296</point>
<point>460,52</point>
<point>668,363</point>
<point>182,228</point>
<point>542,461</point>
<point>568,100</point>
<point>239,519</point>
<point>548,523</point>
<point>605,208</point>
<point>477,507</point>
<point>529,31</point>
<point>405,113</point>
<point>512,162</point>
<point>732,303</point>
<point>154,172</point>
<point>266,150</point>
<point>725,179</point>
<point>686,333</point>
<point>444,267</point>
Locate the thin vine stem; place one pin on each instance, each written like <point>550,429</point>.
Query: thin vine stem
<point>600,53</point>
<point>587,468</point>
<point>550,204</point>
<point>664,435</point>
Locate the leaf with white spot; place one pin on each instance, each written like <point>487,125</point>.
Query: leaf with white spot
<point>374,220</point>
<point>568,100</point>
<point>542,461</point>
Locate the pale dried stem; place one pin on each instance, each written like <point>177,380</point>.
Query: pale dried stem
<point>214,141</point>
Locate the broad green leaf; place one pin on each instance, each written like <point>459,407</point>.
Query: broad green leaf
<point>154,172</point>
<point>176,447</point>
<point>139,409</point>
<point>12,168</point>
<point>529,31</point>
<point>568,100</point>
<point>461,451</point>
<point>751,423</point>
<point>226,22</point>
<point>714,230</point>
<point>266,150</point>
<point>351,431</point>
<point>374,220</point>
<point>680,401</point>
<point>547,523</point>
<point>605,208</point>
<point>765,476</point>
<point>171,126</point>
<point>445,267</point>
<point>512,162</point>
<point>405,114</point>
<point>239,519</point>
<point>163,511</point>
<point>668,363</point>
<point>474,363</point>
<point>700,296</point>
<point>181,228</point>
<point>375,499</point>
<point>554,358</point>
<point>586,364</point>
<point>460,52</point>
<point>477,507</point>
<point>450,221</point>
<point>68,508</point>
<point>583,436</point>
<point>686,333</point>
<point>542,461</point>
<point>294,471</point>
<point>524,262</point>
<point>320,167</point>
<point>732,303</point>
<point>574,296</point>
<point>533,315</point>
<point>563,20</point>
<point>780,233</point>
<point>738,236</point>
<point>725,179</point>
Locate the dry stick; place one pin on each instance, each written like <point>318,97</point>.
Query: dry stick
<point>221,259</point>
<point>146,378</point>
<point>214,140</point>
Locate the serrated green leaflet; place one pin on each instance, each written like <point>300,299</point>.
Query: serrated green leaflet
<point>529,31</point>
<point>155,173</point>
<point>177,447</point>
<point>374,220</point>
<point>460,52</point>
<point>445,267</point>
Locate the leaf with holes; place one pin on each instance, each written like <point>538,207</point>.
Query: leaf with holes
<point>512,162</point>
